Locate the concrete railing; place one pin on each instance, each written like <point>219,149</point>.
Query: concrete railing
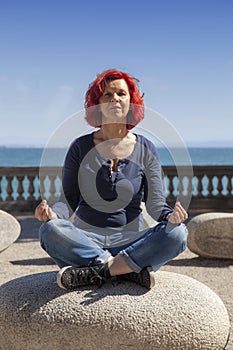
<point>210,188</point>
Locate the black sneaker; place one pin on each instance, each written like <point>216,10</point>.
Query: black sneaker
<point>145,277</point>
<point>71,278</point>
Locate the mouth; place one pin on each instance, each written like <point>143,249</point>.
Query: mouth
<point>115,107</point>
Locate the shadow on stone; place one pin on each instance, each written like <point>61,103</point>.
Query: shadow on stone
<point>201,262</point>
<point>29,228</point>
<point>36,262</point>
<point>179,313</point>
<point>43,288</point>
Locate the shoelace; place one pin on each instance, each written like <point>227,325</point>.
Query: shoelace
<point>96,277</point>
<point>85,276</point>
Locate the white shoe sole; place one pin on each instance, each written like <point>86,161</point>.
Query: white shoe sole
<point>59,276</point>
<point>152,277</point>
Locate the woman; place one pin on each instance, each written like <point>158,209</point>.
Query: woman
<point>106,175</point>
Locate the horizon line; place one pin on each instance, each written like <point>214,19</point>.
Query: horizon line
<point>213,144</point>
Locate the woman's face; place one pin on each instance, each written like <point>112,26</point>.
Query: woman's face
<point>115,102</point>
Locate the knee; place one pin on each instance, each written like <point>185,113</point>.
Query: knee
<point>47,229</point>
<point>178,238</point>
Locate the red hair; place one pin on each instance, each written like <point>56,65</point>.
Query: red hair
<point>96,89</point>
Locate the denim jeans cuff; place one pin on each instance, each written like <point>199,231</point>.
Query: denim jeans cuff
<point>104,257</point>
<point>130,262</point>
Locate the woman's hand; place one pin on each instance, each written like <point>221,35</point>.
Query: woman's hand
<point>44,213</point>
<point>178,215</point>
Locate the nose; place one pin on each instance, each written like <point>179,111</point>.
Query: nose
<point>115,97</point>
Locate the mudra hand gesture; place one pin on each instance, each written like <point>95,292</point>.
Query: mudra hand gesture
<point>44,213</point>
<point>178,215</point>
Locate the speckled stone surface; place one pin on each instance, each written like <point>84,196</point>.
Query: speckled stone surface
<point>179,313</point>
<point>211,235</point>
<point>9,230</point>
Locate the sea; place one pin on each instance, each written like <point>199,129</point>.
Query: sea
<point>34,156</point>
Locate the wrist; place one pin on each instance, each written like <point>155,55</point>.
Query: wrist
<point>168,215</point>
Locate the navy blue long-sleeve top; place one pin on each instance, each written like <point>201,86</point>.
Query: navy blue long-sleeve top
<point>101,201</point>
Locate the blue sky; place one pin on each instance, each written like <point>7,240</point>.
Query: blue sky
<point>180,50</point>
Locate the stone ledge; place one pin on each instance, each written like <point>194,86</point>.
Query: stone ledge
<point>179,313</point>
<point>211,235</point>
<point>9,230</point>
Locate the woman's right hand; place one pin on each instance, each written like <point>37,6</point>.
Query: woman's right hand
<point>44,213</point>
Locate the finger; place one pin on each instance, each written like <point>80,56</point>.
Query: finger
<point>45,215</point>
<point>41,211</point>
<point>181,210</point>
<point>42,205</point>
<point>173,219</point>
<point>41,216</point>
<point>49,213</point>
<point>178,215</point>
<point>178,205</point>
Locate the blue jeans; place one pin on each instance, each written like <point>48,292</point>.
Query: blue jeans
<point>70,245</point>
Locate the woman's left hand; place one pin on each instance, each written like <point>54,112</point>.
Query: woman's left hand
<point>178,215</point>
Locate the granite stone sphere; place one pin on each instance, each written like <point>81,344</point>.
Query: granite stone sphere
<point>179,313</point>
<point>211,235</point>
<point>9,230</point>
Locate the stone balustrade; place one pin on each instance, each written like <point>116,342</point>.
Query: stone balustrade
<point>209,188</point>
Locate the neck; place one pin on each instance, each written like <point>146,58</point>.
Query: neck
<point>113,131</point>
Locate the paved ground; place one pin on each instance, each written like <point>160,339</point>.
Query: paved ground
<point>26,257</point>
